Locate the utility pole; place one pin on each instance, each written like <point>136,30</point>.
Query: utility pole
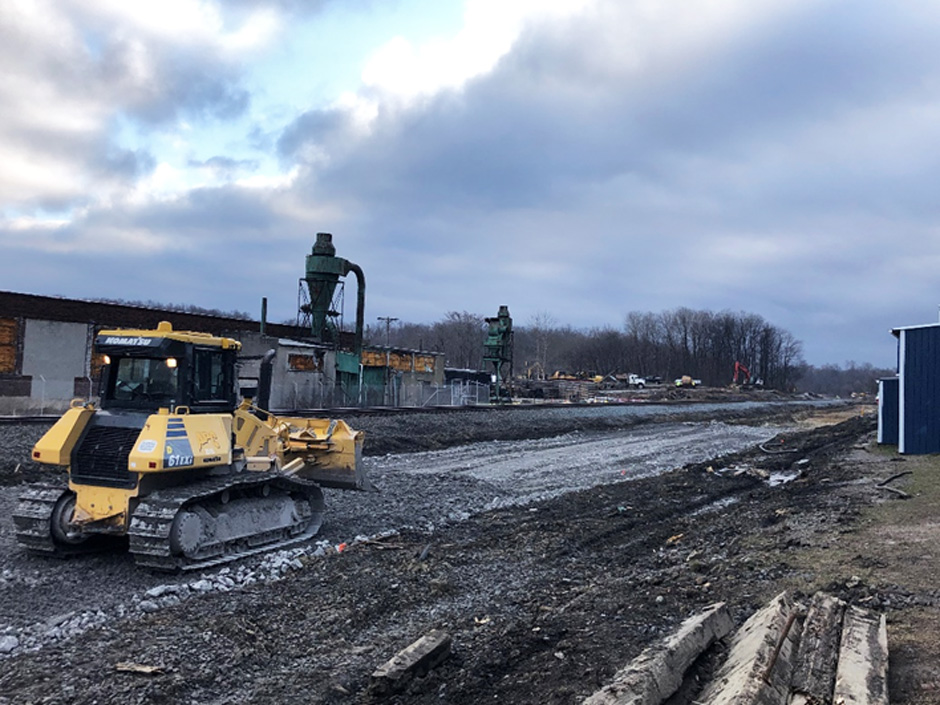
<point>388,354</point>
<point>388,326</point>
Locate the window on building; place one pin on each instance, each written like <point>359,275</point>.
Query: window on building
<point>302,363</point>
<point>8,330</point>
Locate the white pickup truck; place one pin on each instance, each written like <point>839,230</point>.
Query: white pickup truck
<point>635,382</point>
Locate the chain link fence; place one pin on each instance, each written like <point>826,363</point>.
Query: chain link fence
<point>323,396</point>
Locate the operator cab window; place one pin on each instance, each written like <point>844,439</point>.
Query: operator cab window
<point>209,378</point>
<point>145,379</point>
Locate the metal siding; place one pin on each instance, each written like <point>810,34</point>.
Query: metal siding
<point>881,396</point>
<point>920,391</point>
<point>902,397</point>
<point>54,354</point>
<point>888,416</point>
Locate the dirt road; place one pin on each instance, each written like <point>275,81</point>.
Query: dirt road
<point>547,591</point>
<point>43,601</point>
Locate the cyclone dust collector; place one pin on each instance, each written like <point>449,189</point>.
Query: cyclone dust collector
<point>321,280</point>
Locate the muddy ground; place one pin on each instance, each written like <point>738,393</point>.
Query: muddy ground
<point>546,600</point>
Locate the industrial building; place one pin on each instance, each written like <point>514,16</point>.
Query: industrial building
<point>47,356</point>
<point>908,411</point>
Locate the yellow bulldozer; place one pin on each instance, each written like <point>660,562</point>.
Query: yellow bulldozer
<point>171,462</point>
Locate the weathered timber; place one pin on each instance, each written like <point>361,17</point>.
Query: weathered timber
<point>815,675</point>
<point>895,491</point>
<point>895,477</point>
<point>657,673</point>
<point>862,673</point>
<point>760,662</point>
<point>416,659</point>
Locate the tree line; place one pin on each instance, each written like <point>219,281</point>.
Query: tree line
<point>669,344</point>
<point>840,381</point>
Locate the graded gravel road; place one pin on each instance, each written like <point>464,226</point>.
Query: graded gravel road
<point>43,600</point>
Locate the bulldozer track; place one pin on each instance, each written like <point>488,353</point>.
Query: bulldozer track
<point>32,520</point>
<point>152,523</point>
<point>33,515</point>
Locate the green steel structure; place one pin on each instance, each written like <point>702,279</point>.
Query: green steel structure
<point>498,352</point>
<point>322,280</point>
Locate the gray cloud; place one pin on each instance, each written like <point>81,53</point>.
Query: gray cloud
<point>75,71</point>
<point>786,169</point>
<point>751,178</point>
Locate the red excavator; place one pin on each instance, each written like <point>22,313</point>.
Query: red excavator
<point>742,375</point>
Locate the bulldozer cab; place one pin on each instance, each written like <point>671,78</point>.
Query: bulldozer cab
<point>146,370</point>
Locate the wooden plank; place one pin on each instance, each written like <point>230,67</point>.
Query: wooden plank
<point>815,674</point>
<point>657,673</point>
<point>416,659</point>
<point>760,660</point>
<point>862,673</point>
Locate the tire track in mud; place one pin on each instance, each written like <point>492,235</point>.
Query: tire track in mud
<point>423,490</point>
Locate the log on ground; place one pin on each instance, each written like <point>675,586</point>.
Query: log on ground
<point>761,658</point>
<point>657,673</point>
<point>815,674</point>
<point>862,674</point>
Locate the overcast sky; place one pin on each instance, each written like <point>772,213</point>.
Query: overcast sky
<point>582,158</point>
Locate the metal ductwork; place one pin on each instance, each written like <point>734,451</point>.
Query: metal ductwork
<point>323,271</point>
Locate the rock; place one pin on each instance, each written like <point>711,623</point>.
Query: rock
<point>8,643</point>
<point>148,606</point>
<point>59,619</point>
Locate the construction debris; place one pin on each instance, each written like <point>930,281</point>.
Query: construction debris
<point>129,667</point>
<point>901,494</point>
<point>895,477</point>
<point>862,674</point>
<point>416,659</point>
<point>657,673</point>
<point>758,668</point>
<point>784,654</point>
<point>815,675</point>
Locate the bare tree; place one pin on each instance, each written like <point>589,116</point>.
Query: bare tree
<point>460,336</point>
<point>542,325</point>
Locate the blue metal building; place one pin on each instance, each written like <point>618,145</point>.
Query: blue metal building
<point>888,410</point>
<point>918,389</point>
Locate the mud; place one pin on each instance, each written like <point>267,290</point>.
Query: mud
<point>550,569</point>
